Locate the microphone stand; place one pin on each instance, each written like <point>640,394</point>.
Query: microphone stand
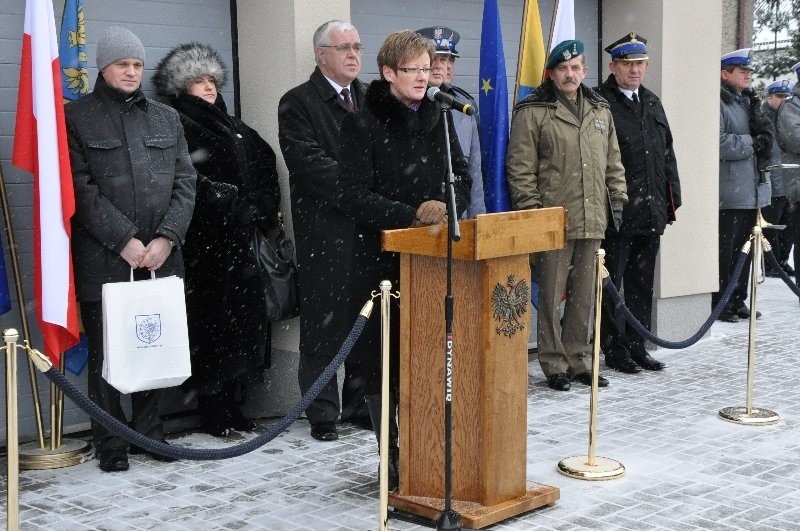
<point>449,520</point>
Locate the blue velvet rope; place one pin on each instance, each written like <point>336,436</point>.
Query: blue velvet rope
<point>645,333</point>
<point>177,452</point>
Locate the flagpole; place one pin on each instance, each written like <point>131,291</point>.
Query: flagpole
<point>550,38</point>
<point>12,251</point>
<point>521,46</point>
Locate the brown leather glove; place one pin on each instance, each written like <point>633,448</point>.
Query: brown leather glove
<point>431,212</point>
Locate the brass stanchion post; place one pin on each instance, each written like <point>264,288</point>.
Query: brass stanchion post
<point>591,467</point>
<point>383,469</point>
<point>748,414</point>
<point>10,336</point>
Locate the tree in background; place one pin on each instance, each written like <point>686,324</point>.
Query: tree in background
<point>776,32</point>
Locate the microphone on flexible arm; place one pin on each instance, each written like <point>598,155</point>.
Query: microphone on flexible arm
<point>434,94</point>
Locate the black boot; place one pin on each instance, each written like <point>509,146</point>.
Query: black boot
<point>374,407</point>
<point>236,419</point>
<point>214,415</point>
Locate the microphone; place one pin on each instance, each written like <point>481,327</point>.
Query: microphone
<point>434,94</point>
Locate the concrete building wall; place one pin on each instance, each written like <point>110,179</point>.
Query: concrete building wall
<point>737,24</point>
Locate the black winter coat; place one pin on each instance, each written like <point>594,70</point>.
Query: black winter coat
<point>309,121</point>
<point>645,143</point>
<point>393,160</point>
<point>237,190</point>
<point>132,178</point>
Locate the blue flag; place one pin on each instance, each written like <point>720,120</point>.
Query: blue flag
<point>5,296</point>
<point>72,52</point>
<point>493,103</point>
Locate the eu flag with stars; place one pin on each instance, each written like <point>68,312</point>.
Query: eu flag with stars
<point>493,103</point>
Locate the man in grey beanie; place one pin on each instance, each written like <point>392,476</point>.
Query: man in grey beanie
<point>134,194</point>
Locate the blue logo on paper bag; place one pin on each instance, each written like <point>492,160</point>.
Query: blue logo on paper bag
<point>148,327</point>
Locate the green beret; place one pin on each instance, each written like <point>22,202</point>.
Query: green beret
<point>564,51</point>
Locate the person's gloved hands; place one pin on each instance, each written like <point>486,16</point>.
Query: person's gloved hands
<point>617,215</point>
<point>431,212</point>
<point>762,143</point>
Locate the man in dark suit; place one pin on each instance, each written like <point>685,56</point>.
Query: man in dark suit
<point>309,119</point>
<point>651,174</point>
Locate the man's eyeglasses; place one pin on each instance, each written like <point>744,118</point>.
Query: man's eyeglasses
<point>344,48</point>
<point>414,70</point>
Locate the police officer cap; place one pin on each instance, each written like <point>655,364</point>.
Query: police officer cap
<point>741,58</point>
<point>780,86</point>
<point>631,47</point>
<point>796,69</point>
<point>564,51</point>
<point>444,38</point>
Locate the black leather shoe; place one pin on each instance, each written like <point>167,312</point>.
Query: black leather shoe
<point>136,450</point>
<point>324,431</point>
<point>559,382</point>
<point>586,379</point>
<point>728,316</point>
<point>625,365</point>
<point>743,312</point>
<point>113,460</point>
<point>648,363</point>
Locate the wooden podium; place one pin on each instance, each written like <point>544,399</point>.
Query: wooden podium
<point>490,364</point>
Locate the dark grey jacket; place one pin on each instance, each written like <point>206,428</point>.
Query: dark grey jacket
<point>739,186</point>
<point>788,127</point>
<point>132,177</point>
<point>776,175</point>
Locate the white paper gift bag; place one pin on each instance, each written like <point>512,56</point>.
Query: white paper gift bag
<point>146,342</point>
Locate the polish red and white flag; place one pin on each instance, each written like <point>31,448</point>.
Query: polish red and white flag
<point>40,147</point>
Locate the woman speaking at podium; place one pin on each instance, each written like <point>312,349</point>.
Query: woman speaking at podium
<point>391,176</point>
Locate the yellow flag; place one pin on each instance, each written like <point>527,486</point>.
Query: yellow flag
<point>530,65</point>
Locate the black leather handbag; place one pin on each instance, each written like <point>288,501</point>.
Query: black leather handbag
<point>273,253</point>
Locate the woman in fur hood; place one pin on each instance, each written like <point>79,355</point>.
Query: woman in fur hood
<point>237,190</point>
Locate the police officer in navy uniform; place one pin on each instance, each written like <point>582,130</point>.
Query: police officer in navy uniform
<point>446,40</point>
<point>745,151</point>
<point>777,212</point>
<point>443,69</point>
<point>651,173</point>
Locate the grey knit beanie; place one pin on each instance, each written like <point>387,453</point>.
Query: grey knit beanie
<point>118,43</point>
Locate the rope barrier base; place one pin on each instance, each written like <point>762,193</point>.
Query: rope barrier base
<point>578,467</point>
<point>757,417</point>
<point>71,452</point>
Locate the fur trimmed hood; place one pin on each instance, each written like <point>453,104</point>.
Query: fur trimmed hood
<point>546,94</point>
<point>185,63</point>
<point>381,103</point>
<point>728,94</point>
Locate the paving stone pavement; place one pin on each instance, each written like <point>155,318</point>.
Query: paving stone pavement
<point>685,467</point>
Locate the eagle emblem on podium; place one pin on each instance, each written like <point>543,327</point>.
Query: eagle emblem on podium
<point>509,305</point>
